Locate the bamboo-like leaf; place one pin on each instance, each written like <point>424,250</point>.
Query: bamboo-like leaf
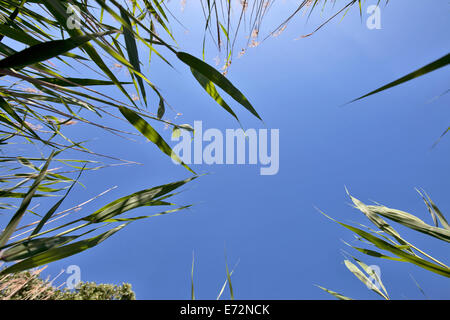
<point>7,108</point>
<point>229,279</point>
<point>4,194</point>
<point>212,91</point>
<point>411,221</point>
<point>334,294</point>
<point>46,50</point>
<point>11,227</point>
<point>135,200</point>
<point>442,62</point>
<point>17,34</point>
<point>59,253</point>
<point>434,211</point>
<point>161,108</point>
<point>379,222</point>
<point>73,82</point>
<point>363,278</point>
<point>418,287</point>
<point>147,130</point>
<point>61,15</point>
<point>377,254</point>
<point>55,207</point>
<point>226,282</point>
<point>368,270</point>
<point>29,248</point>
<point>217,78</point>
<point>146,217</point>
<point>442,135</point>
<point>133,55</point>
<point>381,244</point>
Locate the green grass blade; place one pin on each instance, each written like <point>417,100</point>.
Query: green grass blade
<point>229,279</point>
<point>334,294</point>
<point>442,62</point>
<point>135,200</point>
<point>59,253</point>
<point>8,109</point>
<point>55,207</point>
<point>11,227</point>
<point>133,55</point>
<point>411,221</point>
<point>146,217</point>
<point>362,277</point>
<point>212,91</point>
<point>73,82</point>
<point>46,50</point>
<point>32,247</point>
<point>377,220</point>
<point>400,253</point>
<point>218,79</point>
<point>147,130</point>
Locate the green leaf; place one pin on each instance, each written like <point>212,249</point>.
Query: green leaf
<point>212,91</point>
<point>434,211</point>
<point>362,277</point>
<point>379,243</point>
<point>12,225</point>
<point>58,10</point>
<point>73,82</point>
<point>377,254</point>
<point>135,200</point>
<point>335,294</point>
<point>161,108</point>
<point>379,222</point>
<point>217,78</point>
<point>133,55</point>
<point>46,50</point>
<point>5,106</point>
<point>147,130</point>
<point>229,279</point>
<point>146,217</point>
<point>53,209</point>
<point>411,221</point>
<point>17,34</point>
<point>368,270</point>
<point>29,248</point>
<point>59,253</point>
<point>442,62</point>
<point>226,282</point>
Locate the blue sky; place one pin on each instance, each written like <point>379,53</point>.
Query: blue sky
<point>379,148</point>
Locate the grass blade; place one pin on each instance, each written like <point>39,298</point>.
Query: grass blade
<point>147,130</point>
<point>335,294</point>
<point>212,91</point>
<point>442,62</point>
<point>11,227</point>
<point>32,247</point>
<point>138,199</point>
<point>59,253</point>
<point>217,78</point>
<point>46,50</point>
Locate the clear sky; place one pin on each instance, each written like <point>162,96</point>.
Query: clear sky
<point>379,148</point>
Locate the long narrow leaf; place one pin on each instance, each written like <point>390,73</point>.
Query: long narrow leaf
<point>442,62</point>
<point>147,130</point>
<point>217,78</point>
